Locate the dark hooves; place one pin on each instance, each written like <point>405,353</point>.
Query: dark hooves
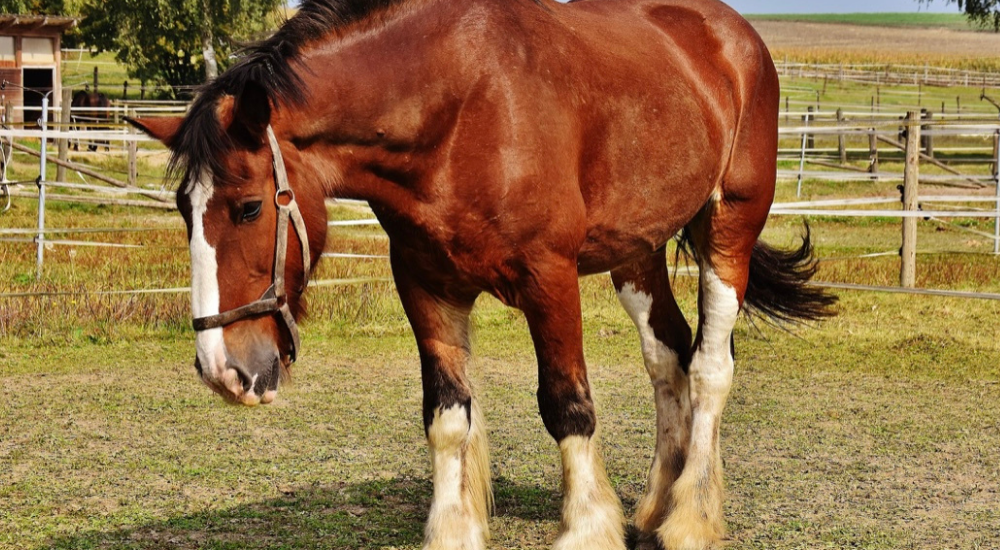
<point>637,540</point>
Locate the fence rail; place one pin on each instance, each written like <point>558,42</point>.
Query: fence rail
<point>885,74</point>
<point>912,134</point>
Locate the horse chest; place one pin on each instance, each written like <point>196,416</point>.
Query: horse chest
<point>444,240</point>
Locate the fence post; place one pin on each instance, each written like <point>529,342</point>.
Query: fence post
<point>125,90</point>
<point>40,239</point>
<point>927,140</point>
<point>810,138</point>
<point>911,175</point>
<point>996,182</point>
<point>802,158</point>
<point>133,149</point>
<point>873,153</point>
<point>841,148</point>
<point>64,120</point>
<point>96,81</point>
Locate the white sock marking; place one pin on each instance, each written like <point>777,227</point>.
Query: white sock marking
<point>712,365</point>
<point>670,393</point>
<point>450,524</point>
<point>661,361</point>
<point>591,515</point>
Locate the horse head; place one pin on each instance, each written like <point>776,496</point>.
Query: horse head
<point>256,228</point>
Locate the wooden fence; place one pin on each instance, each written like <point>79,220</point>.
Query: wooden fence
<point>888,74</point>
<point>911,137</point>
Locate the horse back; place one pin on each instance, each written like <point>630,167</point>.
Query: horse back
<point>640,106</point>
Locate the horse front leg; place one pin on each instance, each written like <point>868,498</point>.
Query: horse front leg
<point>453,424</point>
<point>592,516</point>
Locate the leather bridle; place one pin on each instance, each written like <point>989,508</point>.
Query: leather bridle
<point>274,298</point>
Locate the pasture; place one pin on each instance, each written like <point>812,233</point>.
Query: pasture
<point>918,20</point>
<point>877,429</point>
<point>837,42</point>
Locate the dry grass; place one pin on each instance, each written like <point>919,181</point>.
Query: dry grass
<point>874,430</point>
<point>837,43</point>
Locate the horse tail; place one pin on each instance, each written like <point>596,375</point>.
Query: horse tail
<point>778,289</point>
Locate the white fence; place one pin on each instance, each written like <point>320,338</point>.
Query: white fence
<point>887,74</point>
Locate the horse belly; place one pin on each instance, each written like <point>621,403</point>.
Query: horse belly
<point>632,235</point>
<point>640,192</point>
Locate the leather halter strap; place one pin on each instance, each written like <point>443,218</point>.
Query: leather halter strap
<point>274,299</point>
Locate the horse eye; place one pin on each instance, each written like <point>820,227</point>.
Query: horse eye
<point>251,211</point>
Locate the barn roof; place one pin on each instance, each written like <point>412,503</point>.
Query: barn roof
<point>24,23</point>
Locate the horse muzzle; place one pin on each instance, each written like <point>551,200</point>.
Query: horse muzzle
<point>247,383</point>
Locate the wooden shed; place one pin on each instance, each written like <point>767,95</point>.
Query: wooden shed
<point>29,58</point>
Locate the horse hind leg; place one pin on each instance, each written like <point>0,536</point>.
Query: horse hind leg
<point>723,236</point>
<point>644,291</point>
<point>456,435</point>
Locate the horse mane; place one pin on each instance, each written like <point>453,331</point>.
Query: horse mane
<point>269,65</point>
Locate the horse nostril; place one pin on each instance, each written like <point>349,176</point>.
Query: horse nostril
<point>269,381</point>
<point>197,366</point>
<point>245,379</point>
<point>275,374</point>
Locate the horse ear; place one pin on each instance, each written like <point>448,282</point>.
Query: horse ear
<point>161,128</point>
<point>246,115</point>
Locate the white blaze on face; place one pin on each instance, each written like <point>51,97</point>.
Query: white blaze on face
<point>205,281</point>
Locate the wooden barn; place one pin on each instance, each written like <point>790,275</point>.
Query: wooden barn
<point>29,58</point>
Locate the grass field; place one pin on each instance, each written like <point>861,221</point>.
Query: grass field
<point>831,42</point>
<point>873,430</point>
<point>877,429</point>
<point>956,21</point>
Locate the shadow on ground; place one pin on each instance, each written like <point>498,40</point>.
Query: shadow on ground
<point>376,514</point>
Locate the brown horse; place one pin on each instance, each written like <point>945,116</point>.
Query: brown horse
<point>89,110</point>
<point>506,147</point>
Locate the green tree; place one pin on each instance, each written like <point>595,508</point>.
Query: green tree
<point>169,41</point>
<point>984,13</point>
<point>33,7</point>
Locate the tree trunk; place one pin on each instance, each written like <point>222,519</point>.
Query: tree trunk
<point>207,48</point>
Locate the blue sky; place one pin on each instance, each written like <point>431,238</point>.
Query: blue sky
<point>840,6</point>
